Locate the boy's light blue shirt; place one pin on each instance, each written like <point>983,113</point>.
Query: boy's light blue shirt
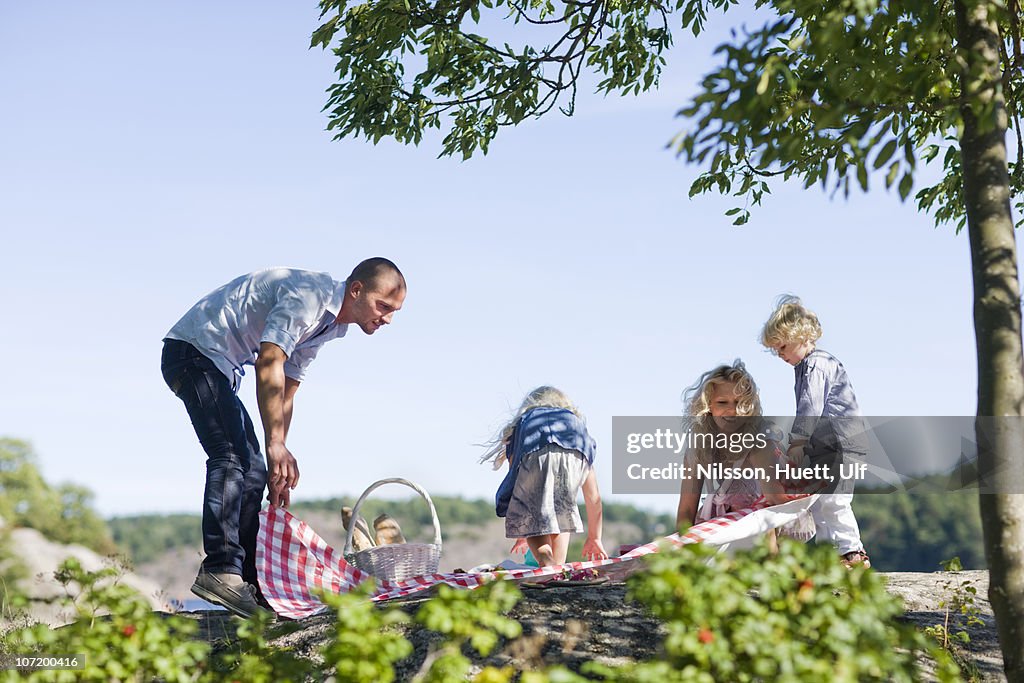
<point>823,390</point>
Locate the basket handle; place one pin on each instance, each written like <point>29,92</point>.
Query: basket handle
<point>415,487</point>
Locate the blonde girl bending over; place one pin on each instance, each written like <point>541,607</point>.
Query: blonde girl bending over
<point>550,455</point>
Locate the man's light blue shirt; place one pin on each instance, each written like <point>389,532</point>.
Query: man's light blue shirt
<point>294,309</point>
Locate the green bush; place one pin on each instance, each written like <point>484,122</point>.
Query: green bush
<point>473,618</point>
<point>798,615</point>
<point>364,647</point>
<point>367,645</point>
<point>117,635</point>
<point>13,599</point>
<point>250,657</point>
<point>960,613</point>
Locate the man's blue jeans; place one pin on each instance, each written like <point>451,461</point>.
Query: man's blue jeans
<point>236,473</point>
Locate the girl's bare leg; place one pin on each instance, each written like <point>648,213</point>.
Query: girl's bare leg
<point>560,546</point>
<point>542,548</point>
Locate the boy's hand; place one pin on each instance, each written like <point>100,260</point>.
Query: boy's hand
<point>593,550</point>
<point>796,453</point>
<point>520,547</point>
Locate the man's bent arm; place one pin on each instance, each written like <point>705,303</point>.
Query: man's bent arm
<point>290,387</point>
<point>273,396</point>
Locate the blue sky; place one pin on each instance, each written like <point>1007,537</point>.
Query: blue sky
<point>153,151</point>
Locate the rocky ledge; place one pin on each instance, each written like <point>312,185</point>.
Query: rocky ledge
<point>571,626</point>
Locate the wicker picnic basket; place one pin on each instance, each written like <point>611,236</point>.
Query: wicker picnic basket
<point>402,560</point>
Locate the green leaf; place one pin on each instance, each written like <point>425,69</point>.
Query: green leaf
<point>890,177</point>
<point>887,151</point>
<point>906,183</point>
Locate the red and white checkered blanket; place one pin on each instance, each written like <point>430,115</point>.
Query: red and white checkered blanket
<point>292,560</point>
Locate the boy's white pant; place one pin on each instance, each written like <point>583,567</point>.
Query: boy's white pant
<point>834,522</point>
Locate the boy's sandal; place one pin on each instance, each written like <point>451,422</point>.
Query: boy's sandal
<point>856,558</point>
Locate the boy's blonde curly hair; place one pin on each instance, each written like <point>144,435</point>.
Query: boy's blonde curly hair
<point>790,322</point>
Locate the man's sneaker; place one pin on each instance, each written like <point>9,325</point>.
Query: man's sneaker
<point>229,591</point>
<point>856,558</point>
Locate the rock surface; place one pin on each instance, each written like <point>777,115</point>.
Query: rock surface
<point>922,594</point>
<point>571,626</point>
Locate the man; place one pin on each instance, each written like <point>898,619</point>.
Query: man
<point>277,320</point>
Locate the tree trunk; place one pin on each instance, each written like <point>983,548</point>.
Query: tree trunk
<point>997,322</point>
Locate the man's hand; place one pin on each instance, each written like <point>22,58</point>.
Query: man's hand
<point>283,474</point>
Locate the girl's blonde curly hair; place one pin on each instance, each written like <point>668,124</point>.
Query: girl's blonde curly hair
<point>790,322</point>
<point>698,397</point>
<point>697,400</point>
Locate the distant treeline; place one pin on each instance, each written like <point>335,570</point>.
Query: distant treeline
<point>915,531</point>
<point>902,531</point>
<point>145,537</point>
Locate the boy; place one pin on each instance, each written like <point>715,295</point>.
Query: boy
<point>823,390</point>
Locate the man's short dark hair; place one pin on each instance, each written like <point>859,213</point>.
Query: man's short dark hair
<point>371,271</point>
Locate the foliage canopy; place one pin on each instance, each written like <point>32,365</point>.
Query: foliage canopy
<point>827,92</point>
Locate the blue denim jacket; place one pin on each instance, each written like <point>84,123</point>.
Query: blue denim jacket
<point>538,428</point>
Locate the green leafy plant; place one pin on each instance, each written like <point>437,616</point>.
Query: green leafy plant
<point>116,634</point>
<point>367,644</point>
<point>797,615</point>
<point>250,657</point>
<point>475,618</point>
<point>960,613</point>
<point>364,648</point>
<point>13,599</point>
